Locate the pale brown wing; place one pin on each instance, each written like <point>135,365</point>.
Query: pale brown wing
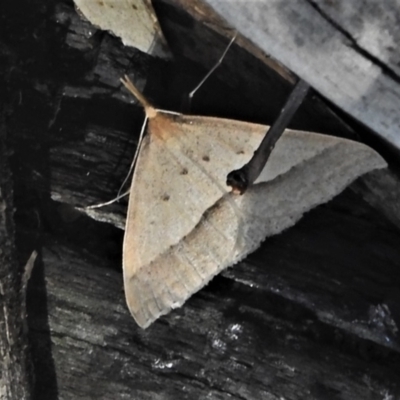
<point>184,226</point>
<point>134,21</point>
<point>180,173</point>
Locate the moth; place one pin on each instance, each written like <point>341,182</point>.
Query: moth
<point>184,224</point>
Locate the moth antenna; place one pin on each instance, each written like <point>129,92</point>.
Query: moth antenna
<point>106,203</point>
<point>119,195</point>
<point>149,108</point>
<point>135,156</point>
<point>216,65</point>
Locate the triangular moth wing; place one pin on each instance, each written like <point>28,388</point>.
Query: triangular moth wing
<point>184,226</point>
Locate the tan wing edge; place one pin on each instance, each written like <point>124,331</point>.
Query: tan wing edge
<point>182,270</point>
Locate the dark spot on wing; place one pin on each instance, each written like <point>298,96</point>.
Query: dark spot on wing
<point>240,152</point>
<point>206,158</point>
<point>184,171</point>
<point>165,197</point>
<point>134,7</point>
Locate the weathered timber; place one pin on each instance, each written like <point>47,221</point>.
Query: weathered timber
<point>228,341</point>
<point>346,50</point>
<point>15,368</point>
<point>313,314</point>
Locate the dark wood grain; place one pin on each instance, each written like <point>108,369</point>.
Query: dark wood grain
<point>16,378</point>
<point>312,314</point>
